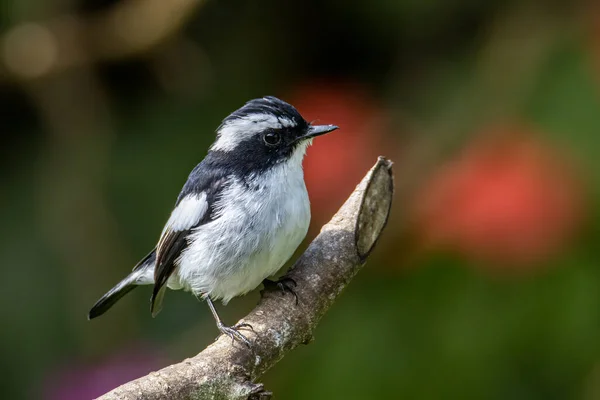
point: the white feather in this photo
(288, 123)
(235, 131)
(188, 212)
(256, 231)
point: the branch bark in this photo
(227, 371)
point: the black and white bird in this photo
(239, 217)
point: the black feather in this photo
(110, 298)
(210, 177)
(268, 105)
(251, 156)
(123, 287)
(202, 179)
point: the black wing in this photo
(205, 185)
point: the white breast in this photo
(259, 226)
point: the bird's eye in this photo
(272, 138)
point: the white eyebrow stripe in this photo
(286, 122)
(238, 130)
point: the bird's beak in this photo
(318, 130)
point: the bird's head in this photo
(263, 133)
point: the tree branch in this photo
(226, 371)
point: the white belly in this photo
(256, 232)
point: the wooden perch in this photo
(227, 371)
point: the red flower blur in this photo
(338, 161)
(507, 200)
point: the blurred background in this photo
(485, 284)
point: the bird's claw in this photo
(233, 332)
(284, 284)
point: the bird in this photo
(239, 217)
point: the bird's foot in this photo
(233, 332)
(284, 284)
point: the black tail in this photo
(141, 275)
(110, 298)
